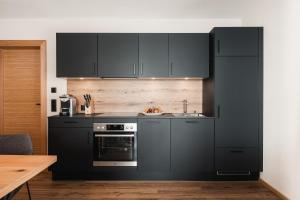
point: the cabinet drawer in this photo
(236, 159)
(70, 122)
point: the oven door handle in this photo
(114, 135)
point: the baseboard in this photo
(276, 192)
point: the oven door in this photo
(115, 149)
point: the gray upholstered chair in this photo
(18, 144)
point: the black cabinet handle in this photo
(95, 70)
(88, 135)
(218, 46)
(153, 122)
(237, 151)
(191, 121)
(238, 173)
(70, 122)
(37, 104)
(218, 111)
(171, 68)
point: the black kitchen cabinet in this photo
(189, 54)
(192, 147)
(236, 101)
(76, 55)
(236, 41)
(236, 160)
(234, 95)
(118, 54)
(72, 141)
(153, 145)
(153, 54)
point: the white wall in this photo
(280, 19)
(45, 29)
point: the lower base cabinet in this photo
(73, 147)
(192, 147)
(167, 149)
(153, 145)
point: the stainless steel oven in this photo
(115, 144)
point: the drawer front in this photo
(70, 122)
(236, 159)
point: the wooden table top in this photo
(16, 170)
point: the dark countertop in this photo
(132, 115)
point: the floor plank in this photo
(42, 187)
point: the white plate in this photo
(152, 114)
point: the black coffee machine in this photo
(67, 105)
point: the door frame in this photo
(41, 45)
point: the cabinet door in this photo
(153, 145)
(236, 101)
(189, 54)
(73, 147)
(118, 54)
(238, 41)
(192, 146)
(154, 54)
(76, 55)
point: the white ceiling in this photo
(150, 9)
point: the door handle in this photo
(37, 104)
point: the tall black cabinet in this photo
(235, 88)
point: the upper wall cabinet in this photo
(76, 55)
(153, 54)
(189, 54)
(237, 41)
(118, 54)
(129, 55)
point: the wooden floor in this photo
(43, 188)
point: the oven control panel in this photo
(117, 127)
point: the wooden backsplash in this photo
(134, 95)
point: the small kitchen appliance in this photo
(67, 105)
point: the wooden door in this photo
(21, 94)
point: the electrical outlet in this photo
(82, 107)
